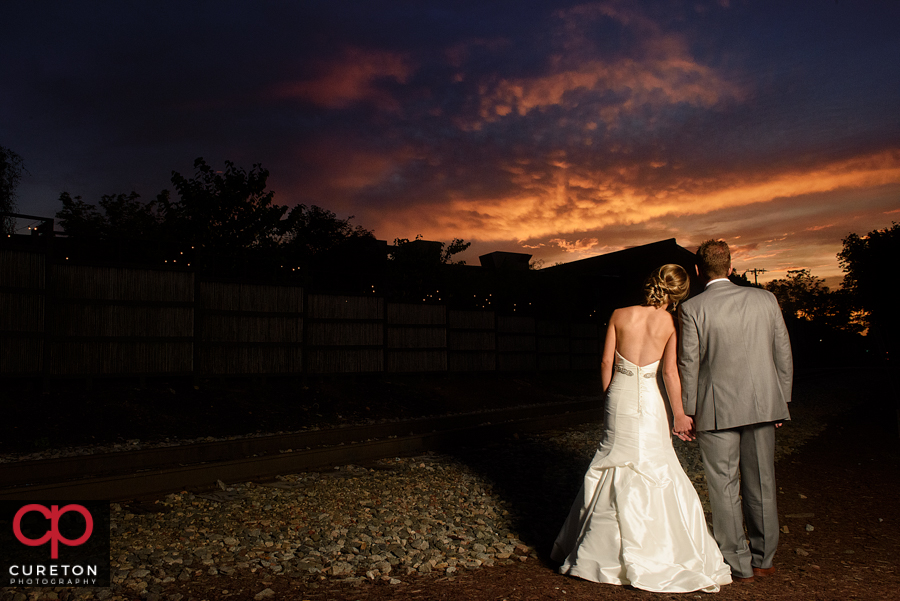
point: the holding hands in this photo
(684, 427)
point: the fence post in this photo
(196, 350)
(48, 311)
(304, 336)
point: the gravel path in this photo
(398, 518)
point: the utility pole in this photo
(755, 273)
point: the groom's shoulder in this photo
(694, 303)
(723, 290)
(754, 291)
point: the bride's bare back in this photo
(644, 334)
(641, 332)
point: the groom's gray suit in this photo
(736, 371)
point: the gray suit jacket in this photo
(734, 356)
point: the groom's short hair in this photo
(714, 258)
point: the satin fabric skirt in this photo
(637, 519)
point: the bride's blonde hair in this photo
(668, 285)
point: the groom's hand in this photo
(684, 428)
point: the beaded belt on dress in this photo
(628, 372)
(647, 375)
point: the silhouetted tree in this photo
(328, 253)
(425, 253)
(11, 170)
(869, 264)
(123, 217)
(804, 296)
(311, 231)
(230, 221)
(456, 246)
(414, 267)
(229, 216)
(80, 219)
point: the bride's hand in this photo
(684, 428)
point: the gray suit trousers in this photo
(740, 474)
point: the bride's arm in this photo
(683, 424)
(609, 354)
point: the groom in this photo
(736, 370)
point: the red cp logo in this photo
(53, 534)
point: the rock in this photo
(341, 568)
(801, 552)
(809, 528)
(266, 593)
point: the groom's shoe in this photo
(763, 572)
(739, 580)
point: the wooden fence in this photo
(22, 310)
(61, 320)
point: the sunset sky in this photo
(560, 129)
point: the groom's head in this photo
(714, 259)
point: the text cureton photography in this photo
(54, 543)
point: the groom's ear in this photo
(730, 271)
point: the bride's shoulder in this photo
(625, 312)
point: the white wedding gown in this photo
(637, 519)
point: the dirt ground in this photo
(81, 412)
(838, 507)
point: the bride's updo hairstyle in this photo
(668, 285)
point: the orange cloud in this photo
(575, 200)
(576, 246)
(654, 82)
(349, 79)
(661, 71)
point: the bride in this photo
(637, 519)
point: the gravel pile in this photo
(403, 516)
